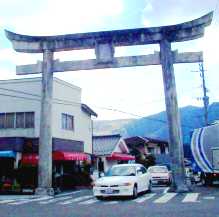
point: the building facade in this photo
(20, 120)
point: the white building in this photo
(20, 117)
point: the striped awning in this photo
(120, 156)
(60, 155)
(33, 159)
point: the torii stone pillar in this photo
(104, 44)
(173, 117)
(45, 140)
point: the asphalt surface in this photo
(202, 202)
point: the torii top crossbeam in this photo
(173, 33)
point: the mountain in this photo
(108, 127)
(155, 126)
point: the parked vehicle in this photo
(205, 153)
(123, 180)
(160, 175)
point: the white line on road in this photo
(144, 198)
(209, 198)
(190, 197)
(67, 194)
(6, 201)
(31, 200)
(76, 199)
(55, 200)
(165, 198)
(165, 190)
(91, 201)
(110, 202)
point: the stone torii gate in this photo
(104, 44)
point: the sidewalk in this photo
(12, 197)
(33, 196)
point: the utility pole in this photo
(205, 98)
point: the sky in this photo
(116, 93)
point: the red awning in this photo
(30, 159)
(60, 155)
(120, 156)
(56, 155)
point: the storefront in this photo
(68, 170)
(7, 174)
(110, 150)
(19, 163)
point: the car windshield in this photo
(158, 170)
(121, 171)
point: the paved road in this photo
(201, 202)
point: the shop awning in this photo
(120, 156)
(60, 155)
(30, 159)
(9, 154)
(56, 155)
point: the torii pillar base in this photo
(45, 191)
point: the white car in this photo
(160, 175)
(123, 180)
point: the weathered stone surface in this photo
(131, 61)
(174, 33)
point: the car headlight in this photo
(126, 184)
(96, 185)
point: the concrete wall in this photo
(15, 101)
(66, 99)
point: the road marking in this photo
(110, 202)
(144, 198)
(165, 190)
(55, 200)
(31, 200)
(91, 201)
(209, 198)
(76, 199)
(6, 201)
(190, 197)
(67, 194)
(165, 198)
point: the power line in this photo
(72, 103)
(104, 108)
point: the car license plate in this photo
(109, 191)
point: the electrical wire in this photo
(72, 103)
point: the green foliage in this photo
(147, 160)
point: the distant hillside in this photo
(110, 126)
(155, 126)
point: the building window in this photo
(17, 120)
(151, 150)
(29, 119)
(20, 120)
(67, 122)
(10, 120)
(2, 120)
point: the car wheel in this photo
(135, 192)
(169, 182)
(149, 187)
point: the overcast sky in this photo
(137, 91)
